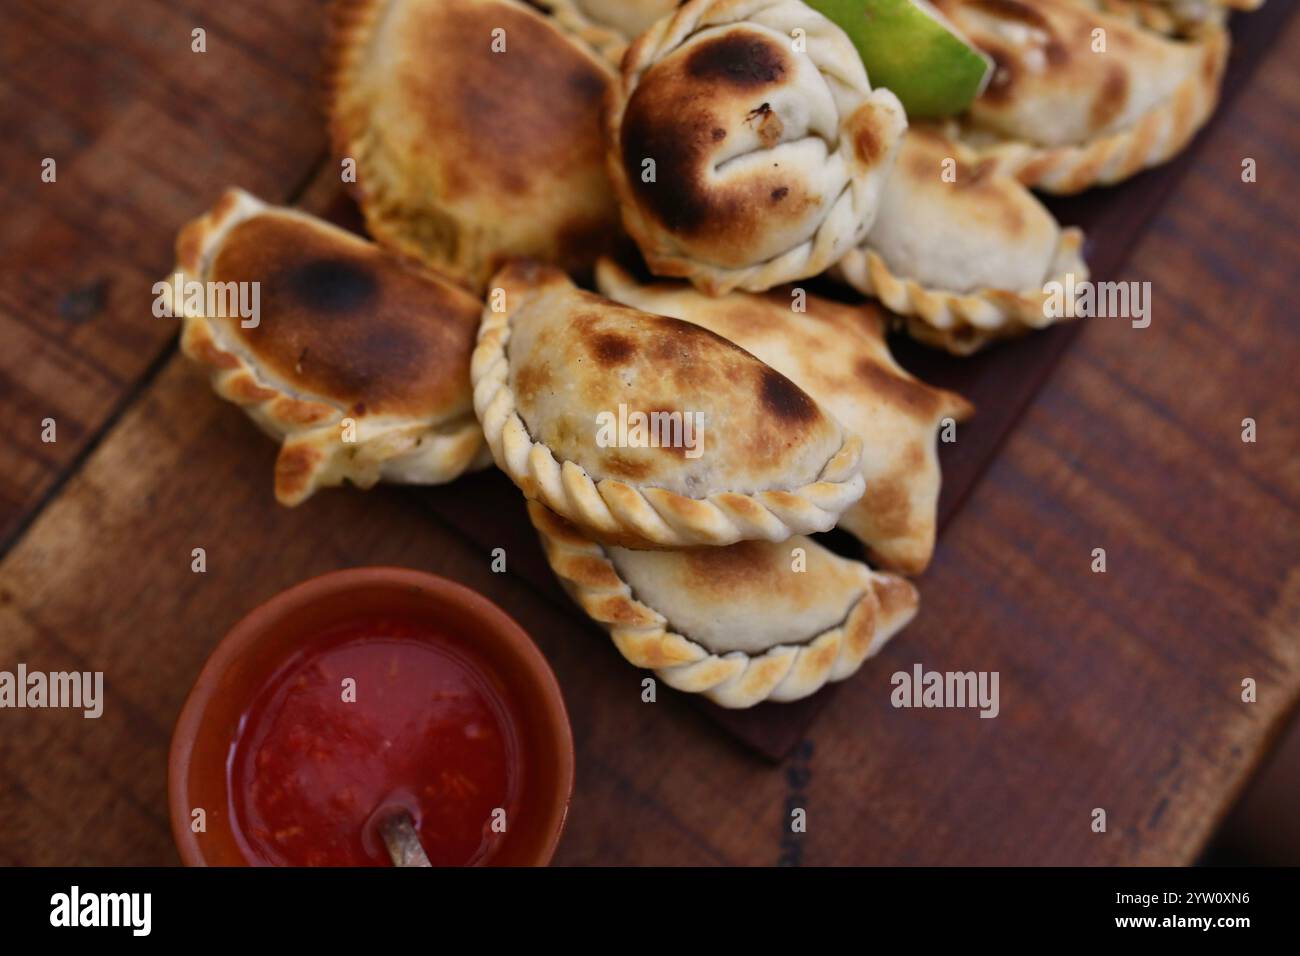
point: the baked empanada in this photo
(961, 250)
(1063, 114)
(745, 144)
(1185, 18)
(838, 355)
(608, 25)
(754, 621)
(648, 431)
(476, 130)
(356, 360)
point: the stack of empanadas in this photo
(693, 554)
(946, 234)
(679, 441)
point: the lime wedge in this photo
(909, 47)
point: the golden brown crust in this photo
(964, 252)
(473, 155)
(838, 355)
(739, 159)
(1183, 18)
(557, 365)
(357, 361)
(1062, 116)
(350, 323)
(817, 625)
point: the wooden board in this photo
(144, 133)
(1119, 690)
(1001, 381)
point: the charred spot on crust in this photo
(545, 91)
(1003, 83)
(780, 193)
(622, 466)
(769, 126)
(530, 381)
(675, 194)
(783, 398)
(342, 320)
(739, 58)
(867, 145)
(610, 348)
(1110, 99)
(906, 393)
(679, 137)
(672, 119)
(677, 337)
(330, 286)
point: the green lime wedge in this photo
(907, 46)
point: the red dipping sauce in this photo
(316, 763)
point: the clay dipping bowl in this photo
(247, 658)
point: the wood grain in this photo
(145, 133)
(1119, 691)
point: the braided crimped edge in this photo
(607, 41)
(1177, 17)
(619, 513)
(963, 323)
(312, 454)
(1156, 138)
(782, 673)
(850, 215)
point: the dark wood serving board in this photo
(1001, 381)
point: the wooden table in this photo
(1119, 690)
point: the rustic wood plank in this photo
(1000, 381)
(145, 133)
(1119, 690)
(103, 582)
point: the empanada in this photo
(1177, 17)
(1063, 114)
(742, 624)
(648, 431)
(962, 251)
(746, 145)
(475, 126)
(608, 25)
(356, 360)
(837, 354)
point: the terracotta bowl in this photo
(248, 656)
